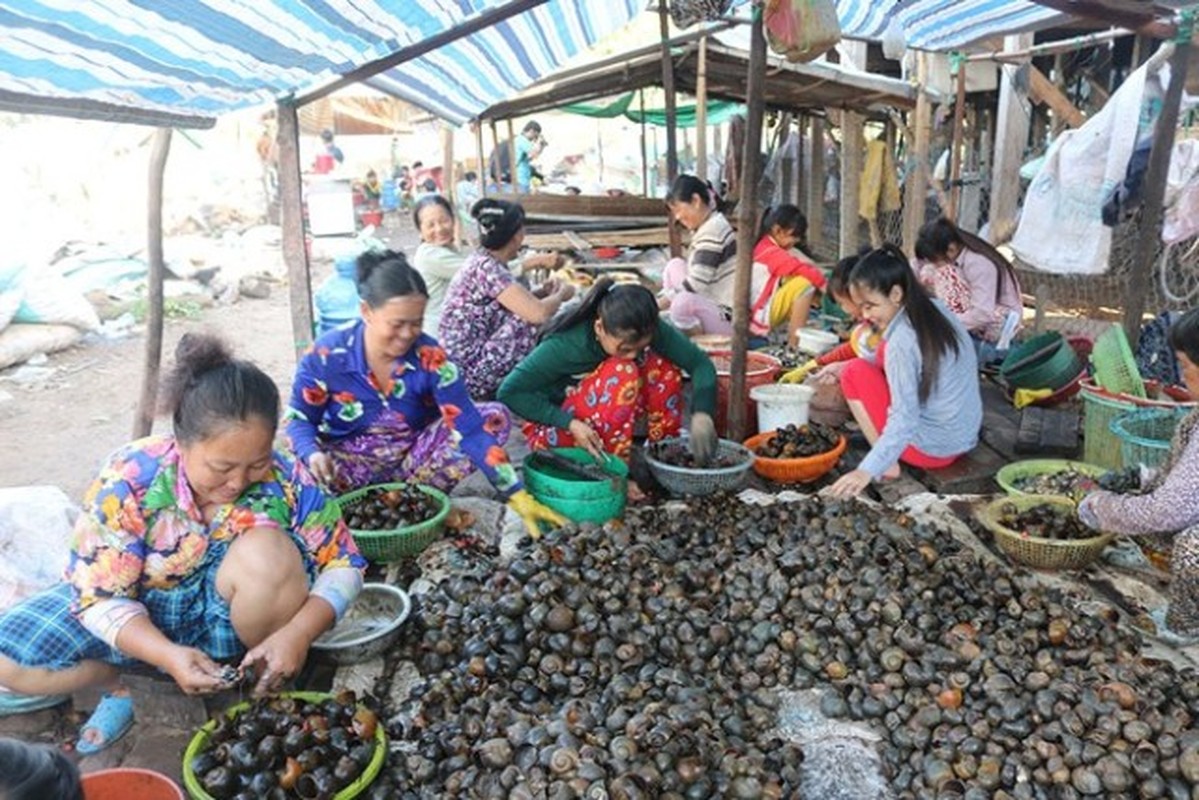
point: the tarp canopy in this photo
(718, 111)
(183, 64)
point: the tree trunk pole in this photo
(701, 111)
(955, 149)
(295, 251)
(144, 420)
(672, 151)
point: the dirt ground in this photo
(58, 431)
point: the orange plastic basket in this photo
(793, 470)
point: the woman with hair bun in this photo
(489, 322)
(37, 772)
(379, 401)
(195, 549)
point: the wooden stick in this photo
(512, 157)
(672, 152)
(955, 149)
(295, 250)
(143, 421)
(481, 175)
(701, 111)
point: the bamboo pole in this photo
(815, 183)
(143, 421)
(1026, 51)
(481, 174)
(447, 162)
(955, 149)
(512, 157)
(498, 174)
(701, 111)
(672, 152)
(747, 210)
(916, 184)
(644, 154)
(295, 250)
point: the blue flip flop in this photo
(1165, 634)
(112, 718)
(12, 703)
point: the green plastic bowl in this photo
(1046, 361)
(574, 497)
(1007, 476)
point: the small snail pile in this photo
(1066, 482)
(285, 747)
(1121, 481)
(678, 454)
(1045, 522)
(799, 441)
(388, 509)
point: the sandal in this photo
(13, 703)
(112, 719)
(1165, 634)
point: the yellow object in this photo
(800, 373)
(879, 187)
(790, 290)
(534, 513)
(1024, 397)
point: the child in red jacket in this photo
(784, 283)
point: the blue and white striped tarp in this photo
(944, 24)
(184, 63)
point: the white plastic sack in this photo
(1181, 219)
(20, 342)
(51, 300)
(10, 301)
(35, 540)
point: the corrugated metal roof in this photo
(184, 63)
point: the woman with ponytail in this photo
(632, 363)
(198, 549)
(699, 290)
(919, 401)
(784, 281)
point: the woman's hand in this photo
(276, 660)
(565, 291)
(542, 261)
(703, 437)
(830, 373)
(193, 670)
(321, 466)
(586, 438)
(851, 484)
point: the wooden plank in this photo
(1043, 91)
(639, 237)
(1048, 433)
(591, 205)
(973, 473)
(1011, 137)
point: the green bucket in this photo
(578, 499)
(1046, 361)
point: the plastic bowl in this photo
(1010, 473)
(574, 497)
(793, 470)
(817, 342)
(128, 783)
(368, 629)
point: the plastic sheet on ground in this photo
(35, 537)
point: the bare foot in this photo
(634, 493)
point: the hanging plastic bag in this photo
(801, 30)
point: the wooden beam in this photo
(1140, 273)
(1044, 91)
(955, 148)
(701, 111)
(672, 152)
(1135, 17)
(1026, 51)
(747, 212)
(483, 21)
(852, 148)
(916, 184)
(814, 202)
(291, 208)
(143, 420)
(497, 174)
(644, 146)
(481, 175)
(516, 187)
(1011, 138)
(447, 162)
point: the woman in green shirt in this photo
(632, 365)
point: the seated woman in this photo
(920, 402)
(632, 363)
(438, 260)
(489, 321)
(194, 549)
(1168, 508)
(784, 283)
(975, 282)
(699, 290)
(378, 401)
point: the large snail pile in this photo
(1045, 522)
(644, 660)
(389, 509)
(287, 748)
(800, 441)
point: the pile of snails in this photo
(389, 509)
(1047, 521)
(644, 659)
(800, 441)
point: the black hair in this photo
(36, 772)
(1184, 335)
(887, 267)
(384, 274)
(531, 125)
(789, 218)
(429, 185)
(208, 390)
(326, 135)
(627, 310)
(934, 239)
(686, 187)
(838, 279)
(430, 200)
(470, 176)
(499, 221)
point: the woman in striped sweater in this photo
(700, 288)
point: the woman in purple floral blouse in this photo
(489, 322)
(192, 549)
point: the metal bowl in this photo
(370, 626)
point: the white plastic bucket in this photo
(817, 342)
(782, 404)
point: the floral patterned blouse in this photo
(142, 528)
(477, 331)
(335, 396)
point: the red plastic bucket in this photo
(127, 783)
(760, 369)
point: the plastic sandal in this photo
(1158, 615)
(112, 718)
(12, 703)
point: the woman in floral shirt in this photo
(489, 322)
(378, 401)
(191, 549)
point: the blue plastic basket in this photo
(1145, 435)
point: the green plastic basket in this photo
(574, 497)
(1009, 474)
(200, 741)
(1046, 361)
(1145, 434)
(392, 545)
(1099, 445)
(1115, 368)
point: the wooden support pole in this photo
(955, 148)
(512, 157)
(1140, 274)
(295, 250)
(143, 421)
(1044, 91)
(1011, 138)
(747, 212)
(497, 174)
(915, 199)
(481, 174)
(701, 111)
(447, 162)
(815, 186)
(852, 149)
(787, 162)
(672, 151)
(801, 163)
(644, 145)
